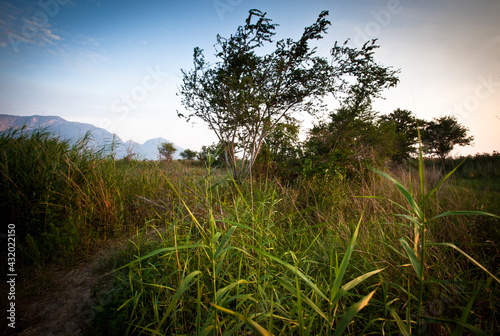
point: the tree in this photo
(283, 140)
(350, 136)
(442, 134)
(406, 128)
(130, 152)
(166, 150)
(245, 95)
(211, 154)
(188, 154)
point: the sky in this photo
(117, 64)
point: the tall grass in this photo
(58, 195)
(314, 259)
(213, 257)
(66, 198)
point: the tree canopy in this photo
(166, 150)
(406, 127)
(188, 154)
(244, 95)
(442, 134)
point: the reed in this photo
(391, 252)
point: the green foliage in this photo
(45, 182)
(312, 259)
(166, 150)
(216, 257)
(347, 142)
(212, 155)
(188, 154)
(282, 143)
(406, 128)
(442, 134)
(245, 95)
(416, 215)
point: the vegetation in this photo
(188, 154)
(245, 95)
(217, 257)
(442, 134)
(352, 231)
(405, 127)
(166, 150)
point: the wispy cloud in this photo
(28, 26)
(24, 24)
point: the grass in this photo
(387, 254)
(267, 259)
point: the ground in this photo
(58, 302)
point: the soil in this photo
(58, 302)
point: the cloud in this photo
(26, 24)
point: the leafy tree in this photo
(406, 128)
(442, 134)
(211, 154)
(349, 137)
(188, 154)
(361, 78)
(245, 95)
(283, 140)
(166, 150)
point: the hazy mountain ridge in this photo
(74, 131)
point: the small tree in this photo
(130, 152)
(166, 150)
(442, 134)
(211, 154)
(245, 95)
(282, 142)
(352, 135)
(188, 154)
(406, 128)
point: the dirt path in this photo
(61, 305)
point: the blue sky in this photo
(116, 64)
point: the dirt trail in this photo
(61, 305)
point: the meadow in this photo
(402, 250)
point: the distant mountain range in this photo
(73, 131)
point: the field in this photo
(384, 253)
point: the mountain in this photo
(73, 131)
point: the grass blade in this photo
(406, 194)
(467, 256)
(221, 292)
(465, 213)
(185, 284)
(294, 269)
(224, 241)
(401, 325)
(345, 262)
(472, 328)
(351, 313)
(436, 187)
(246, 319)
(162, 250)
(417, 266)
(353, 283)
(311, 304)
(459, 330)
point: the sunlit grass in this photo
(385, 254)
